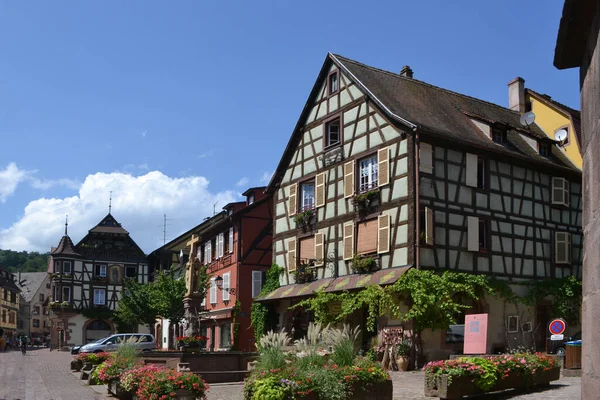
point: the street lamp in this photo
(219, 283)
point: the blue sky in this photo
(176, 106)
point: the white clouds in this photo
(139, 203)
(45, 184)
(206, 154)
(242, 182)
(266, 177)
(10, 177)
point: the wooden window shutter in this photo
(473, 233)
(366, 236)
(293, 200)
(348, 240)
(319, 249)
(383, 234)
(429, 226)
(291, 255)
(307, 249)
(471, 170)
(349, 179)
(425, 158)
(320, 190)
(383, 161)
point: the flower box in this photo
(457, 387)
(115, 388)
(76, 365)
(180, 394)
(193, 349)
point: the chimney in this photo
(406, 72)
(516, 94)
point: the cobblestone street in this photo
(45, 375)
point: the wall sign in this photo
(475, 334)
(557, 326)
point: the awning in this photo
(386, 276)
(224, 313)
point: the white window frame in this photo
(213, 291)
(564, 241)
(62, 290)
(230, 240)
(103, 267)
(368, 173)
(221, 347)
(99, 294)
(250, 198)
(225, 296)
(308, 202)
(328, 124)
(220, 245)
(64, 264)
(563, 187)
(256, 283)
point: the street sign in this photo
(557, 337)
(557, 326)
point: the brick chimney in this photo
(516, 94)
(406, 72)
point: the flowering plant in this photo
(113, 368)
(132, 377)
(94, 358)
(192, 340)
(164, 384)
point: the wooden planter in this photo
(378, 391)
(464, 385)
(76, 365)
(181, 394)
(115, 388)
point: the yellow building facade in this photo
(9, 303)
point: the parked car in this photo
(75, 349)
(142, 341)
(558, 347)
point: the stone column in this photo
(192, 304)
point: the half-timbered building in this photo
(235, 246)
(384, 172)
(87, 279)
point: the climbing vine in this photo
(261, 314)
(236, 325)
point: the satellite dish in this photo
(561, 136)
(527, 119)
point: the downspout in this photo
(417, 212)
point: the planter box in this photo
(181, 394)
(115, 388)
(464, 385)
(76, 365)
(378, 391)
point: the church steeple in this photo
(66, 246)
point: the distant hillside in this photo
(15, 261)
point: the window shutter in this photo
(213, 292)
(293, 200)
(256, 283)
(425, 158)
(429, 226)
(383, 234)
(349, 179)
(226, 286)
(348, 240)
(291, 255)
(473, 233)
(320, 190)
(319, 249)
(383, 160)
(471, 170)
(230, 240)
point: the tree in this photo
(137, 305)
(167, 294)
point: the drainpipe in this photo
(417, 212)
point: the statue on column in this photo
(190, 267)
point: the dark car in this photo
(558, 347)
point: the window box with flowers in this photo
(305, 220)
(305, 272)
(364, 264)
(367, 202)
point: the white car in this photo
(142, 341)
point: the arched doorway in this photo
(96, 329)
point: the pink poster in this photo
(476, 334)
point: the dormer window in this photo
(544, 149)
(332, 132)
(499, 136)
(333, 83)
(250, 198)
(230, 211)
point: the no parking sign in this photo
(557, 328)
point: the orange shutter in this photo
(293, 202)
(320, 190)
(348, 240)
(366, 241)
(349, 179)
(320, 249)
(383, 160)
(291, 258)
(383, 230)
(307, 249)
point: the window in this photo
(560, 191)
(333, 83)
(425, 158)
(213, 248)
(498, 136)
(512, 323)
(207, 252)
(544, 149)
(483, 235)
(66, 294)
(307, 250)
(368, 173)
(426, 226)
(48, 286)
(562, 247)
(12, 317)
(230, 240)
(220, 244)
(307, 191)
(100, 270)
(481, 173)
(225, 339)
(67, 267)
(256, 283)
(36, 310)
(99, 297)
(455, 334)
(213, 292)
(366, 242)
(41, 297)
(226, 286)
(45, 324)
(57, 267)
(250, 198)
(13, 297)
(130, 271)
(56, 293)
(36, 323)
(332, 133)
(3, 315)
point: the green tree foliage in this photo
(262, 316)
(23, 261)
(137, 305)
(168, 292)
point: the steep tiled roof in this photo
(30, 283)
(574, 114)
(109, 225)
(445, 113)
(65, 248)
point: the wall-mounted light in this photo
(219, 283)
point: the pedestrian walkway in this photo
(41, 374)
